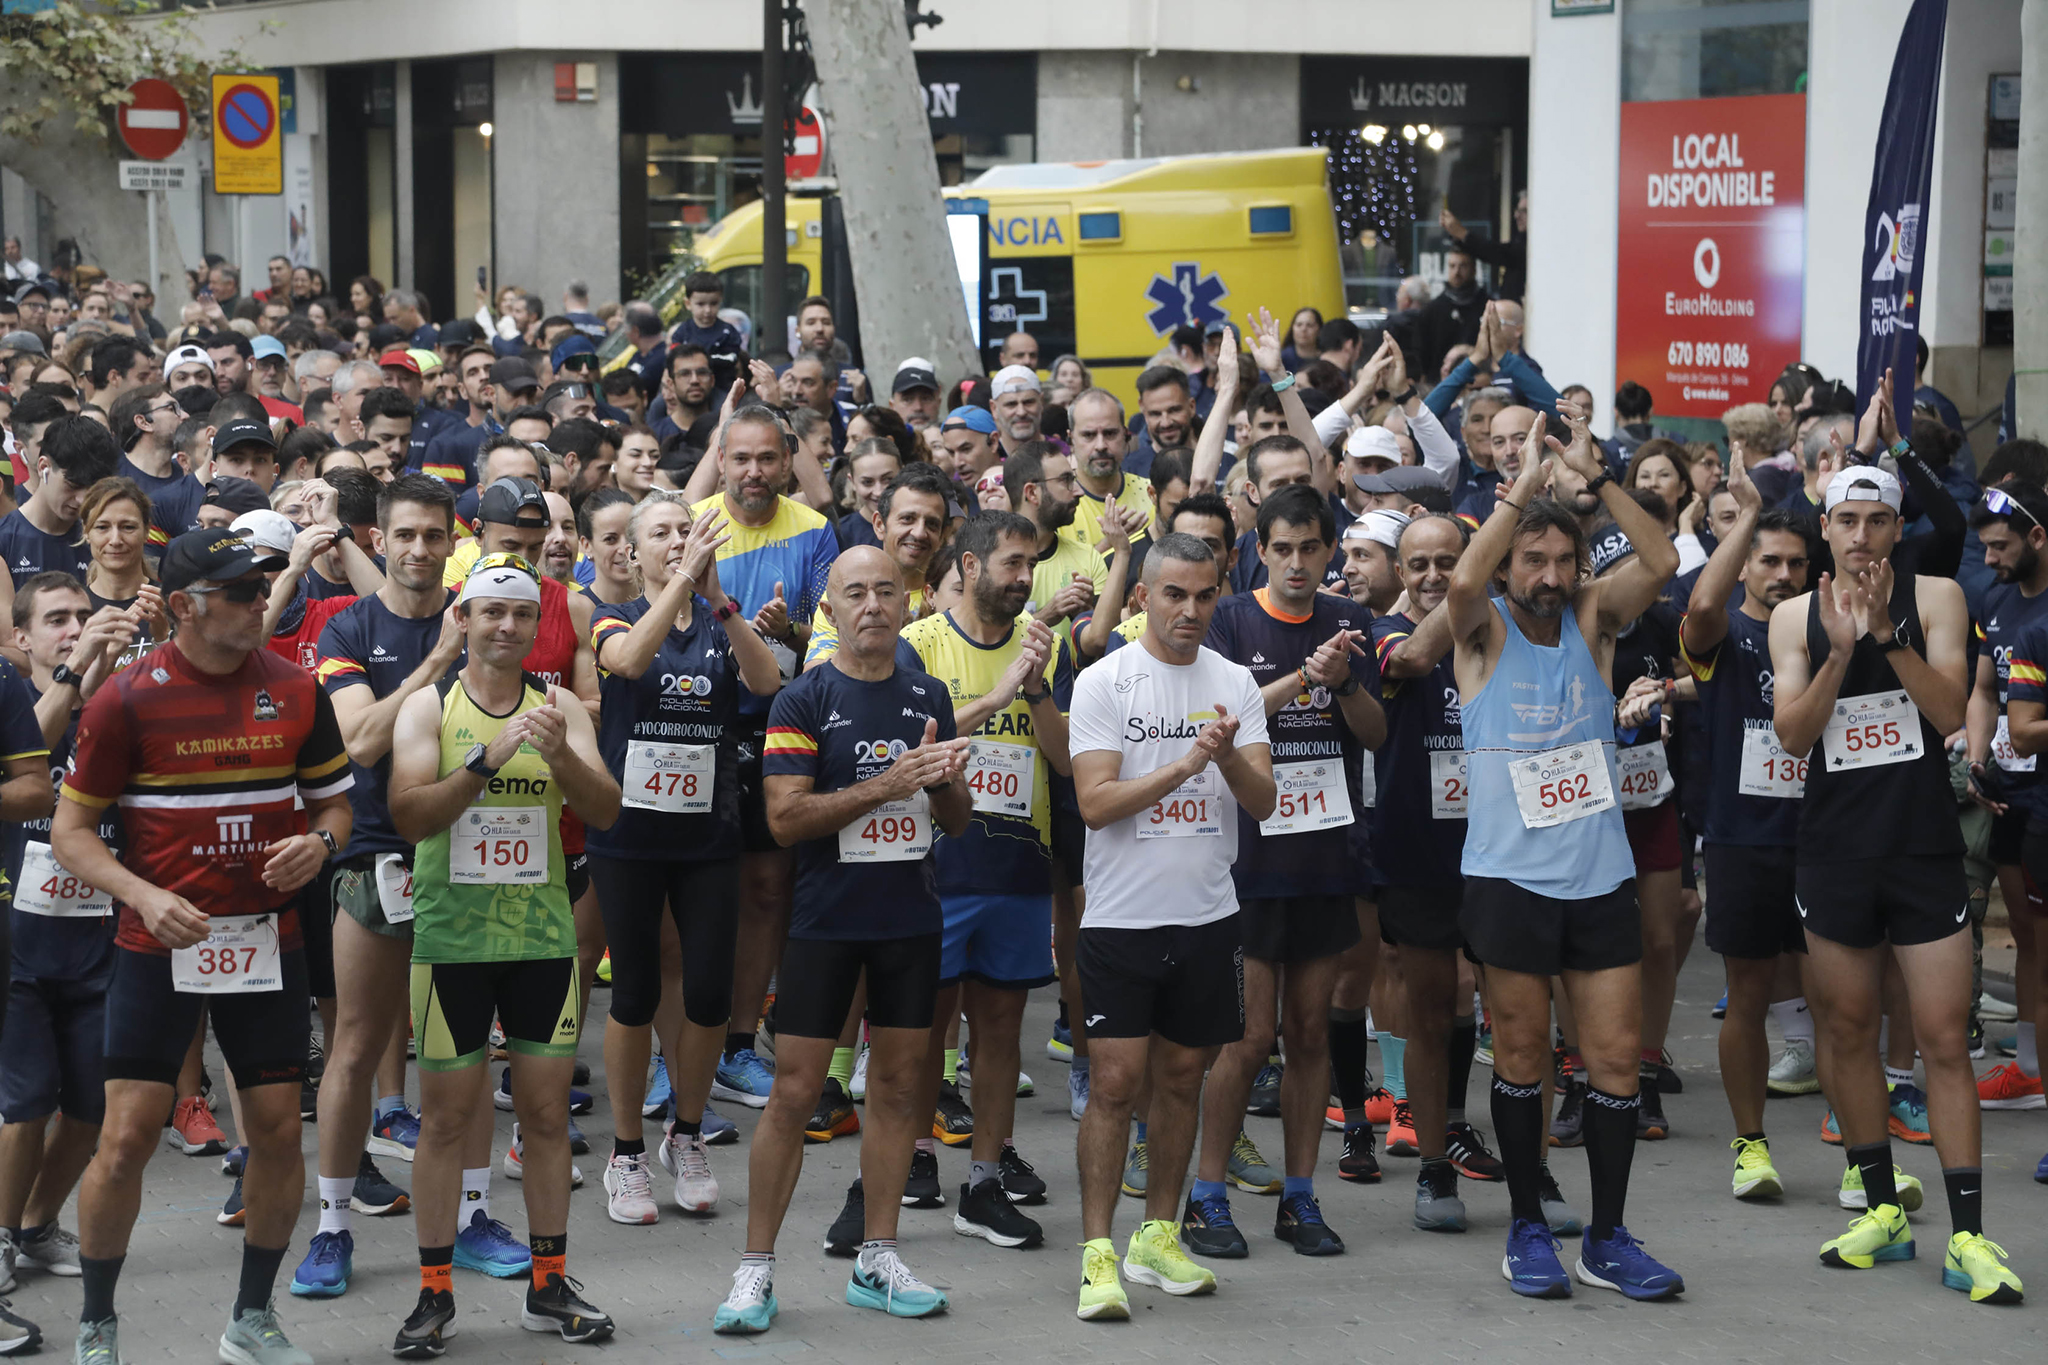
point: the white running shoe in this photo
(629, 1190)
(689, 1161)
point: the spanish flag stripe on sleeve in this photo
(2027, 671)
(344, 669)
(606, 626)
(784, 740)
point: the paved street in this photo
(1756, 1291)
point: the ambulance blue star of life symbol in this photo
(1188, 297)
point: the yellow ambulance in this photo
(1105, 259)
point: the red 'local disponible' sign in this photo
(1712, 249)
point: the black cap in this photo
(385, 335)
(914, 377)
(513, 375)
(32, 287)
(1402, 478)
(236, 495)
(215, 555)
(461, 332)
(502, 503)
(244, 431)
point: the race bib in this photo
(1767, 770)
(1368, 785)
(499, 846)
(1194, 807)
(1871, 731)
(1645, 774)
(1312, 796)
(1449, 784)
(894, 832)
(1002, 777)
(1561, 786)
(2002, 751)
(238, 956)
(669, 777)
(394, 888)
(47, 889)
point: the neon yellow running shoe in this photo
(1755, 1176)
(1879, 1235)
(604, 969)
(1154, 1257)
(1101, 1295)
(1911, 1193)
(1977, 1264)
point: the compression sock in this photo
(1965, 1197)
(841, 1069)
(1464, 1038)
(1349, 1050)
(1610, 1151)
(1518, 1126)
(259, 1276)
(437, 1269)
(1393, 1052)
(1874, 1160)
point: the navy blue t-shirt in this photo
(28, 550)
(366, 644)
(689, 695)
(1306, 734)
(1416, 839)
(1735, 683)
(841, 731)
(1250, 571)
(2008, 611)
(173, 501)
(856, 529)
(48, 947)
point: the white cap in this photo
(1863, 483)
(1373, 443)
(186, 355)
(915, 362)
(267, 530)
(1381, 524)
(501, 580)
(1013, 379)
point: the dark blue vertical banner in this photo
(1895, 220)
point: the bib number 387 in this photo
(238, 956)
(893, 832)
(1561, 786)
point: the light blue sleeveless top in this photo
(1541, 698)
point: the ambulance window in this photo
(1272, 220)
(1102, 227)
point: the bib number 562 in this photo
(1565, 791)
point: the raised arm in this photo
(1706, 615)
(1209, 445)
(1467, 601)
(1802, 696)
(1264, 335)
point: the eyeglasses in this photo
(160, 409)
(505, 559)
(2001, 504)
(241, 592)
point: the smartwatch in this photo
(62, 676)
(1033, 698)
(475, 762)
(726, 612)
(333, 849)
(1283, 384)
(1599, 481)
(1346, 688)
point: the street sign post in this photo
(153, 124)
(248, 145)
(152, 175)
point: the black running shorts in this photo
(1182, 982)
(814, 988)
(1513, 928)
(263, 1035)
(1901, 901)
(1286, 929)
(1422, 916)
(1752, 903)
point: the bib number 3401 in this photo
(1561, 786)
(1193, 808)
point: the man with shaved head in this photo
(861, 761)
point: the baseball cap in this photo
(244, 431)
(915, 373)
(1402, 478)
(400, 359)
(266, 530)
(23, 341)
(513, 375)
(32, 287)
(428, 361)
(502, 503)
(1863, 483)
(214, 556)
(266, 348)
(1012, 379)
(1373, 443)
(187, 355)
(461, 332)
(1383, 526)
(574, 344)
(502, 575)
(1215, 329)
(236, 495)
(973, 418)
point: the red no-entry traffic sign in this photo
(155, 122)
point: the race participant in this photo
(374, 655)
(1295, 878)
(1072, 590)
(481, 765)
(1168, 739)
(1753, 799)
(1880, 861)
(1372, 564)
(674, 661)
(1274, 463)
(774, 565)
(862, 760)
(909, 526)
(871, 466)
(994, 880)
(1549, 887)
(558, 552)
(2009, 524)
(505, 456)
(42, 535)
(215, 854)
(1098, 436)
(607, 548)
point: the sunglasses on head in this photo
(505, 559)
(241, 592)
(2000, 503)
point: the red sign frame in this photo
(156, 97)
(1712, 249)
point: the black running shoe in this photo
(375, 1195)
(1020, 1182)
(1300, 1222)
(425, 1334)
(834, 1116)
(1265, 1097)
(1669, 1082)
(1359, 1163)
(986, 1212)
(953, 1121)
(850, 1228)
(1651, 1125)
(560, 1308)
(1467, 1151)
(1568, 1127)
(921, 1190)
(309, 1098)
(1207, 1229)
(580, 1073)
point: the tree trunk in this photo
(881, 149)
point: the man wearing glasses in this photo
(32, 303)
(145, 420)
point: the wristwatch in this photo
(475, 762)
(1404, 395)
(1346, 688)
(726, 612)
(333, 849)
(62, 676)
(1599, 481)
(1033, 698)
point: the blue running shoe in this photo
(1721, 1006)
(2041, 1172)
(1060, 1047)
(1530, 1266)
(1621, 1264)
(659, 1095)
(395, 1134)
(718, 1130)
(231, 1164)
(578, 1144)
(488, 1245)
(579, 1100)
(1908, 1121)
(1077, 1092)
(745, 1077)
(325, 1271)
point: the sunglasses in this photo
(574, 391)
(579, 361)
(241, 592)
(505, 559)
(2001, 504)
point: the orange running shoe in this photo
(193, 1131)
(1401, 1132)
(2008, 1087)
(1379, 1107)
